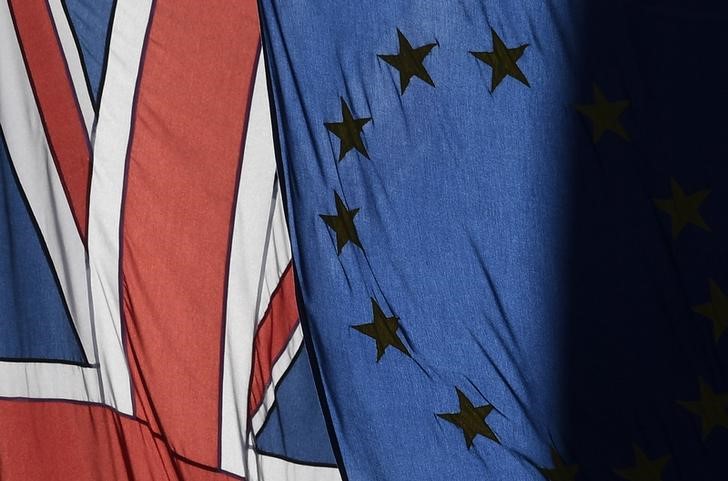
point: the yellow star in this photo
(716, 310)
(383, 330)
(712, 408)
(503, 61)
(604, 115)
(343, 224)
(471, 419)
(349, 131)
(683, 208)
(561, 471)
(410, 62)
(645, 469)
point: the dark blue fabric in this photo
(90, 20)
(295, 428)
(529, 266)
(34, 323)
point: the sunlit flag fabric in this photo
(148, 320)
(507, 240)
(508, 223)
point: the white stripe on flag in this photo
(279, 369)
(73, 60)
(115, 113)
(264, 468)
(259, 255)
(49, 381)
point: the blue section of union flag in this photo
(34, 321)
(295, 428)
(90, 21)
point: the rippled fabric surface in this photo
(508, 226)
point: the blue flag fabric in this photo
(36, 322)
(91, 21)
(509, 233)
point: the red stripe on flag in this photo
(272, 337)
(64, 441)
(182, 171)
(57, 103)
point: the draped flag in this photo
(148, 319)
(327, 240)
(508, 223)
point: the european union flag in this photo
(509, 230)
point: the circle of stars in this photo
(605, 116)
